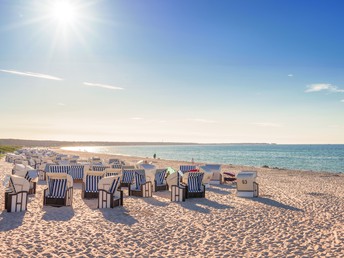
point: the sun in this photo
(64, 12)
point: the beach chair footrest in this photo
(161, 188)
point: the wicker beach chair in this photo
(90, 184)
(192, 181)
(109, 195)
(77, 172)
(29, 173)
(160, 183)
(59, 191)
(16, 193)
(127, 177)
(142, 186)
(215, 170)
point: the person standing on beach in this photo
(154, 155)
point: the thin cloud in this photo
(342, 100)
(323, 87)
(290, 75)
(136, 118)
(61, 104)
(267, 124)
(201, 120)
(105, 86)
(30, 74)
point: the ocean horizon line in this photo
(62, 143)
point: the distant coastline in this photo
(50, 143)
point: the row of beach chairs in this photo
(105, 185)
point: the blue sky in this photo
(190, 71)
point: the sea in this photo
(321, 158)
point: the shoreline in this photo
(226, 166)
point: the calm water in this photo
(328, 158)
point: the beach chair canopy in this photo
(18, 184)
(210, 168)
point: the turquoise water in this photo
(328, 158)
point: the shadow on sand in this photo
(200, 205)
(11, 220)
(274, 203)
(218, 190)
(118, 215)
(155, 202)
(57, 213)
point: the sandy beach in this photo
(298, 214)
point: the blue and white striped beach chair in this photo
(58, 169)
(193, 185)
(141, 187)
(187, 168)
(59, 191)
(90, 184)
(76, 172)
(127, 177)
(109, 195)
(160, 180)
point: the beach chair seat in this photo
(90, 184)
(141, 186)
(16, 193)
(192, 181)
(59, 191)
(109, 195)
(160, 183)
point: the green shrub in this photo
(6, 148)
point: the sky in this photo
(228, 71)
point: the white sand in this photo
(298, 214)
